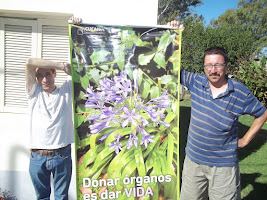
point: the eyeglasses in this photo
(218, 66)
(42, 75)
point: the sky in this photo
(212, 9)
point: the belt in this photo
(48, 152)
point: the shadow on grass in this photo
(257, 142)
(259, 190)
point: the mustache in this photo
(214, 74)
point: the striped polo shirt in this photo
(213, 131)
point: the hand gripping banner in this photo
(126, 111)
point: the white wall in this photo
(14, 157)
(13, 137)
(129, 12)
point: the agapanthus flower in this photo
(162, 101)
(97, 127)
(129, 117)
(116, 145)
(123, 87)
(155, 115)
(94, 100)
(133, 139)
(117, 105)
(144, 121)
(147, 138)
(105, 85)
(121, 77)
(108, 115)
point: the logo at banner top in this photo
(80, 31)
(89, 30)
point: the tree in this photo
(173, 9)
(196, 38)
(193, 40)
(252, 16)
(234, 38)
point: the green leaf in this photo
(102, 156)
(95, 75)
(141, 43)
(81, 109)
(85, 81)
(89, 157)
(84, 142)
(156, 192)
(160, 60)
(97, 164)
(144, 59)
(75, 76)
(172, 87)
(175, 63)
(156, 166)
(170, 151)
(145, 88)
(165, 79)
(175, 132)
(99, 171)
(79, 119)
(93, 141)
(128, 37)
(140, 161)
(140, 77)
(111, 137)
(129, 169)
(104, 67)
(129, 70)
(154, 92)
(119, 54)
(165, 40)
(99, 56)
(170, 116)
(120, 161)
(164, 165)
(126, 131)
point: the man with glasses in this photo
(211, 165)
(51, 126)
(211, 168)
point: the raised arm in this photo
(32, 64)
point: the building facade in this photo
(37, 28)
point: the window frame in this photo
(36, 50)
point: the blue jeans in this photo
(41, 167)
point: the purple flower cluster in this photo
(119, 106)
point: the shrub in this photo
(253, 74)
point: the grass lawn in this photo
(252, 159)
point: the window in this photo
(55, 44)
(20, 39)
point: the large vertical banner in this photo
(126, 111)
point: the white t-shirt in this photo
(51, 118)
